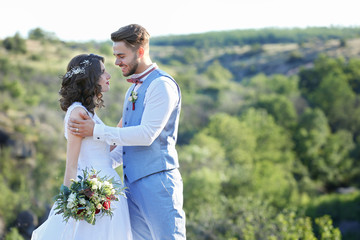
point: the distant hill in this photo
(248, 52)
(257, 36)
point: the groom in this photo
(150, 125)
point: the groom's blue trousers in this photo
(156, 206)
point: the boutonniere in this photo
(133, 97)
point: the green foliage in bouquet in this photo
(88, 197)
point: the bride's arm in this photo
(73, 151)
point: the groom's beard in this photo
(132, 67)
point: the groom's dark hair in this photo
(133, 35)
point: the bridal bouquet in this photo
(90, 196)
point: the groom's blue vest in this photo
(141, 161)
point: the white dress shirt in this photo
(160, 99)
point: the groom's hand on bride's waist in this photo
(81, 127)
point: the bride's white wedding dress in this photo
(95, 155)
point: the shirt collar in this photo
(148, 69)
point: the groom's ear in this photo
(141, 52)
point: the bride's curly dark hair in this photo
(82, 86)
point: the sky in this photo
(85, 20)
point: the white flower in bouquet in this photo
(94, 183)
(70, 205)
(72, 197)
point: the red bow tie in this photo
(137, 80)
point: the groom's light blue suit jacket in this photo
(141, 161)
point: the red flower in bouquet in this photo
(106, 205)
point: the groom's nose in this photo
(117, 62)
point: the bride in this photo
(81, 92)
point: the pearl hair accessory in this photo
(78, 69)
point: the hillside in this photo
(269, 136)
(248, 60)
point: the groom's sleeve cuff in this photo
(98, 133)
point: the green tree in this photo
(326, 155)
(239, 146)
(5, 66)
(272, 141)
(14, 186)
(273, 157)
(311, 136)
(40, 34)
(13, 235)
(105, 48)
(280, 108)
(310, 79)
(203, 151)
(15, 44)
(343, 42)
(279, 84)
(191, 55)
(255, 148)
(332, 85)
(352, 71)
(295, 56)
(15, 88)
(337, 167)
(202, 191)
(326, 229)
(230, 132)
(218, 75)
(336, 98)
